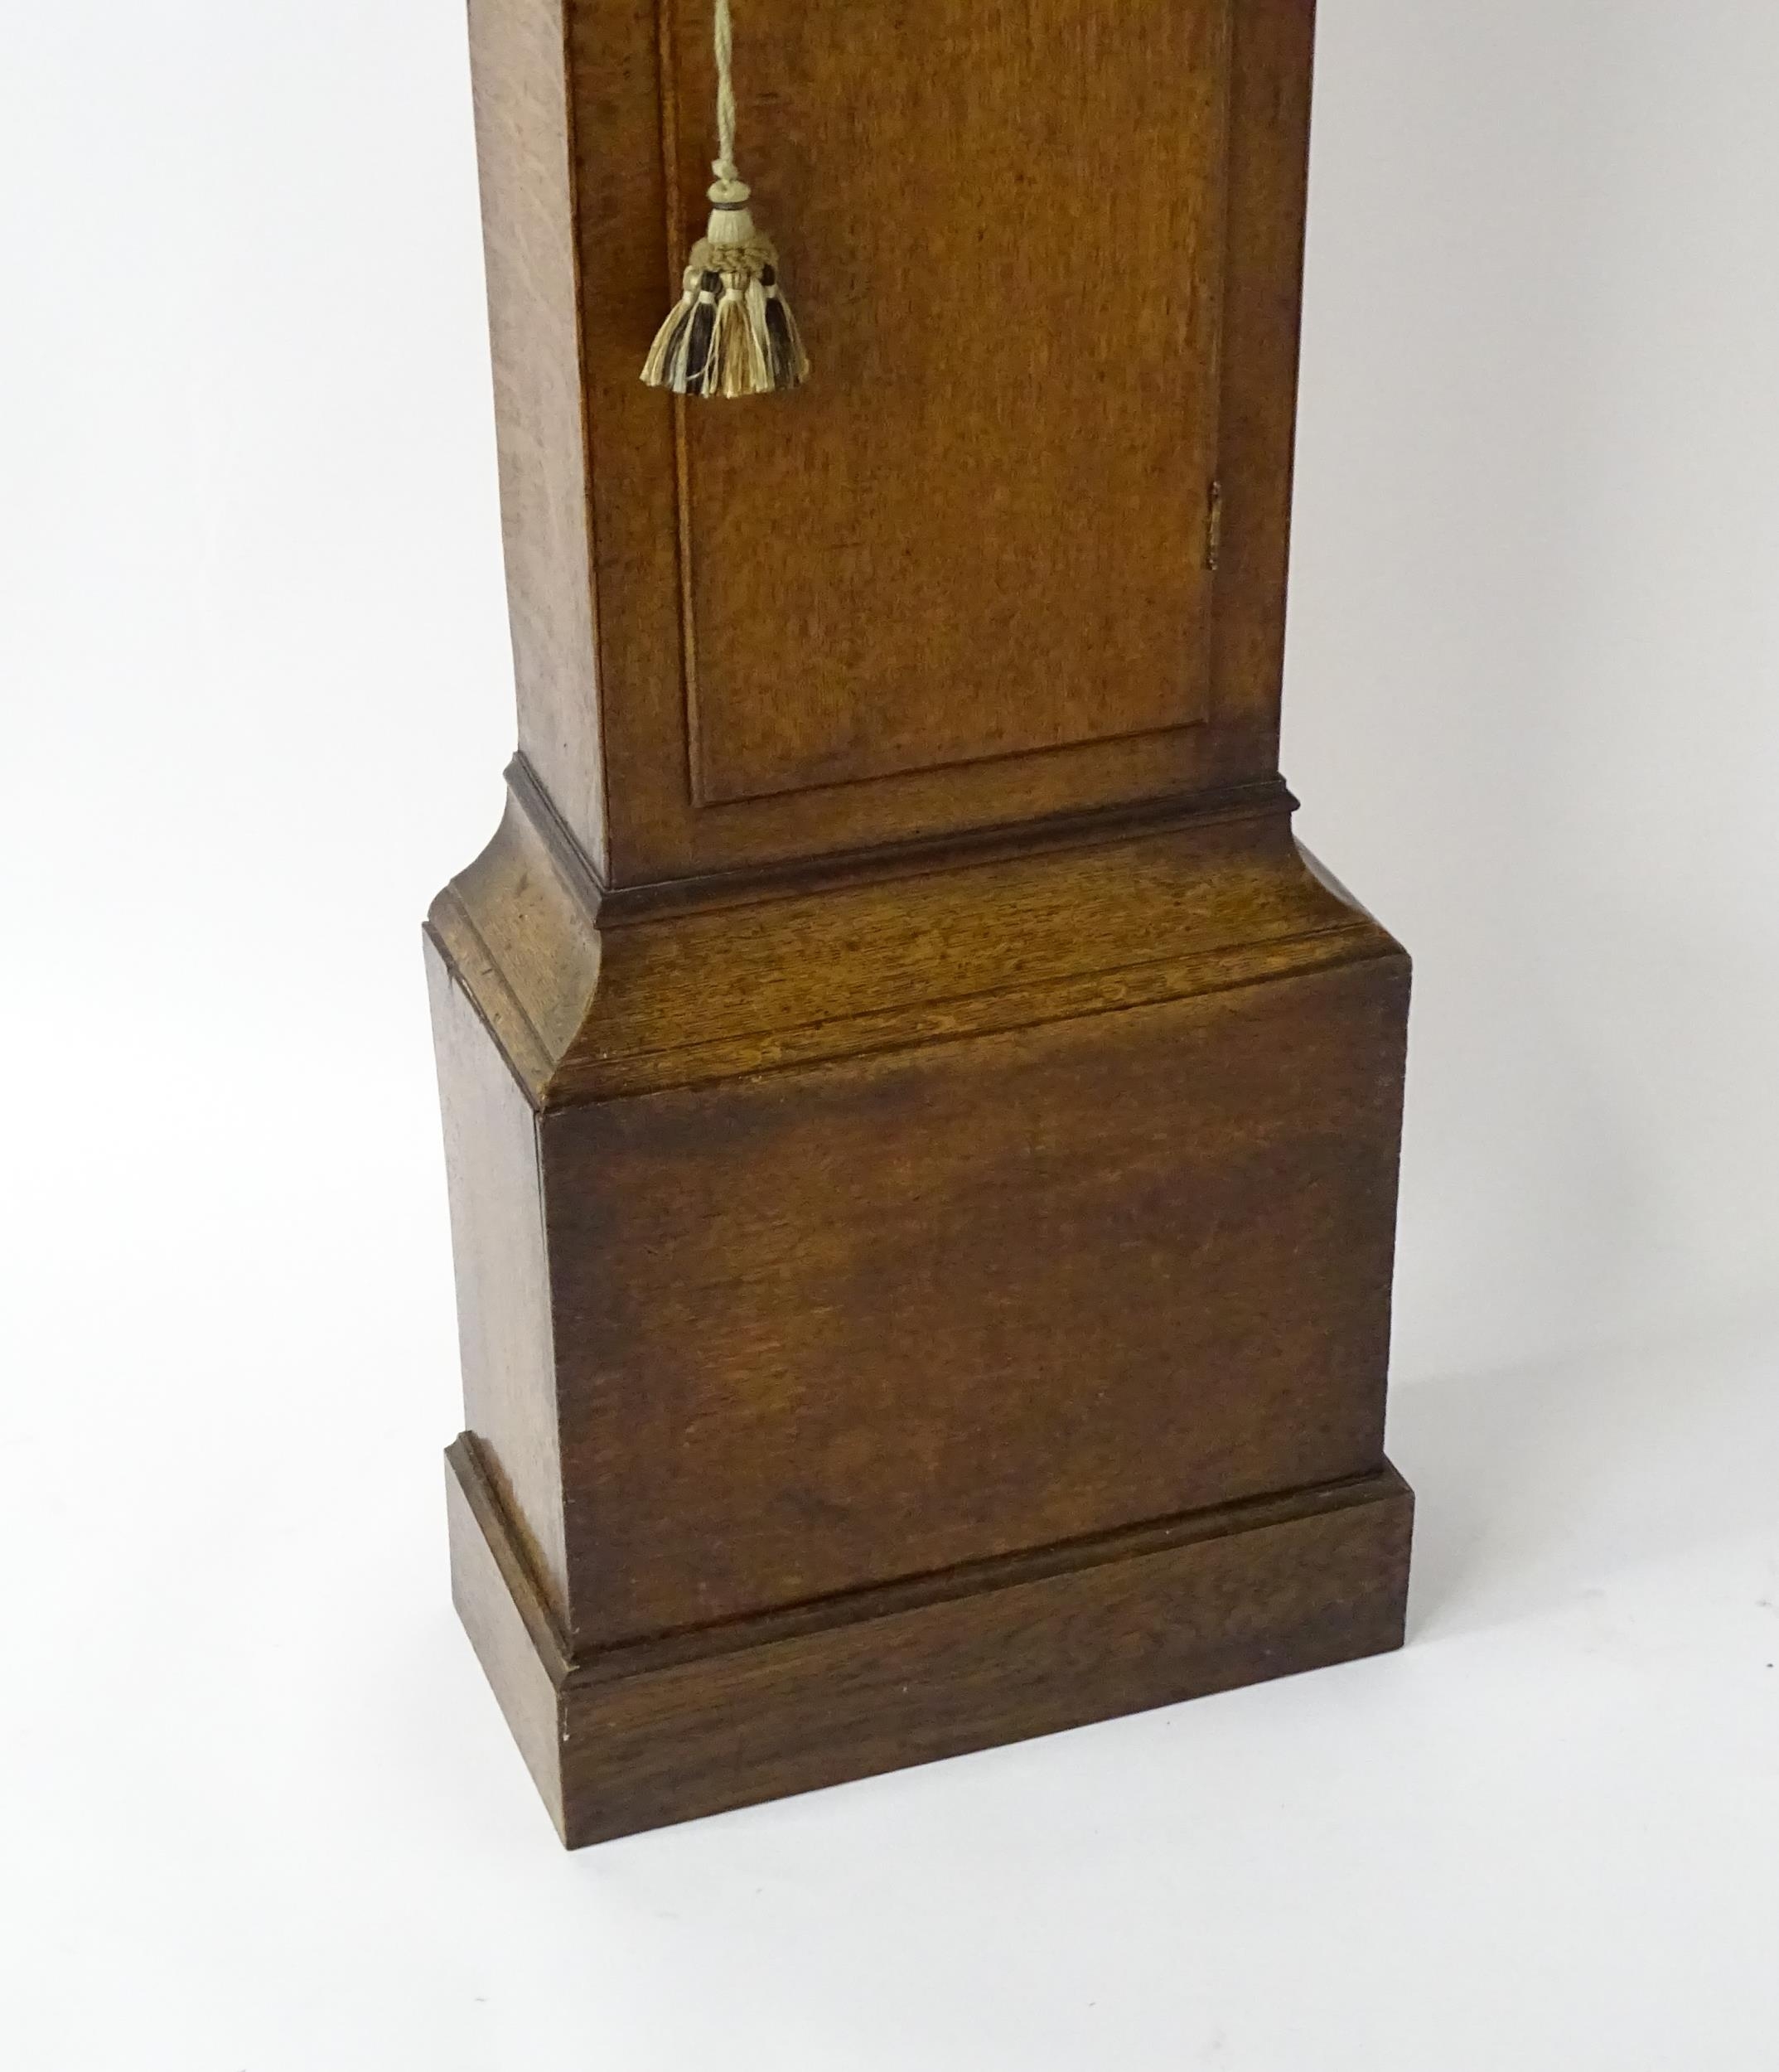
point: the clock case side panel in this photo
(525, 159)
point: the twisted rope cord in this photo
(724, 167)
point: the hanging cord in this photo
(732, 333)
(730, 223)
(724, 168)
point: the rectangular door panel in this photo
(980, 530)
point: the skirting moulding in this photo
(922, 1136)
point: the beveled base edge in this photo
(1233, 1596)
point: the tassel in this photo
(731, 332)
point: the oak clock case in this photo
(922, 1137)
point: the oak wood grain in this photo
(497, 1234)
(922, 1137)
(903, 1310)
(708, 677)
(980, 530)
(852, 1687)
(523, 119)
(917, 945)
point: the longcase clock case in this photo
(922, 1137)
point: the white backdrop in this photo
(258, 1810)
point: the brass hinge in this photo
(1214, 527)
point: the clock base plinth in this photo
(650, 1733)
(907, 1309)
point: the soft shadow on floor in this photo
(1535, 1486)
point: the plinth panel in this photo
(826, 1328)
(1231, 1596)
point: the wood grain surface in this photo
(980, 531)
(845, 1323)
(1048, 256)
(857, 1686)
(922, 1136)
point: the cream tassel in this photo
(732, 332)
